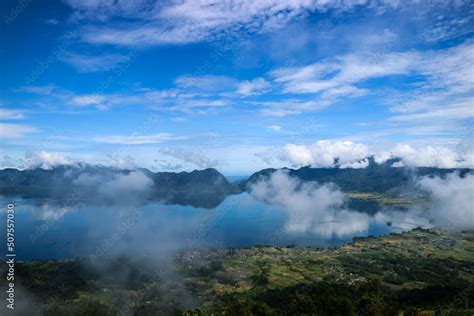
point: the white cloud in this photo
(382, 157)
(300, 155)
(52, 211)
(181, 99)
(353, 155)
(446, 94)
(364, 163)
(198, 103)
(320, 209)
(88, 100)
(398, 164)
(253, 87)
(443, 77)
(452, 200)
(275, 128)
(197, 158)
(91, 63)
(206, 83)
(15, 130)
(443, 93)
(311, 207)
(445, 110)
(122, 162)
(433, 157)
(103, 101)
(337, 75)
(138, 139)
(191, 21)
(123, 187)
(324, 153)
(41, 90)
(133, 182)
(445, 29)
(46, 160)
(378, 39)
(450, 68)
(289, 107)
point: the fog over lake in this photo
(53, 229)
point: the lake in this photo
(54, 229)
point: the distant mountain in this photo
(374, 178)
(204, 188)
(200, 188)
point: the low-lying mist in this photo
(323, 209)
(128, 246)
(311, 207)
(451, 200)
(131, 187)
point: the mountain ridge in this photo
(200, 188)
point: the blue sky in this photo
(236, 85)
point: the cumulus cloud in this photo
(452, 200)
(433, 157)
(347, 154)
(398, 164)
(123, 162)
(49, 160)
(382, 156)
(311, 207)
(429, 156)
(325, 153)
(46, 160)
(356, 164)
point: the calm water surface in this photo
(53, 229)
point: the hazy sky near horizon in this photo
(236, 85)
